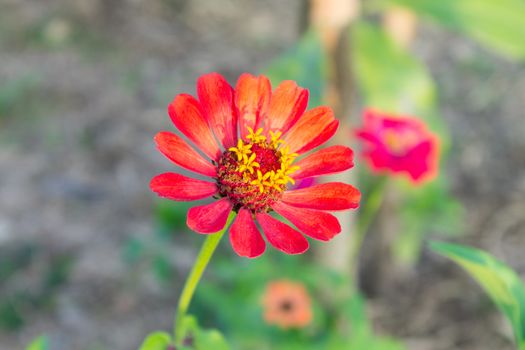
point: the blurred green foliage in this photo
(304, 63)
(392, 80)
(231, 297)
(40, 343)
(18, 304)
(499, 281)
(170, 216)
(425, 211)
(156, 341)
(198, 339)
(203, 339)
(362, 335)
(169, 219)
(497, 24)
(14, 94)
(59, 32)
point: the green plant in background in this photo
(13, 96)
(233, 299)
(155, 252)
(496, 24)
(40, 343)
(305, 63)
(499, 281)
(360, 334)
(199, 339)
(157, 341)
(391, 79)
(17, 303)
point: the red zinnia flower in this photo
(399, 145)
(250, 172)
(287, 304)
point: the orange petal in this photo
(252, 98)
(314, 223)
(313, 129)
(216, 98)
(329, 160)
(287, 104)
(182, 154)
(329, 196)
(186, 113)
(178, 187)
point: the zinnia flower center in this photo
(286, 305)
(400, 141)
(254, 174)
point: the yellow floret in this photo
(247, 165)
(256, 136)
(275, 139)
(242, 150)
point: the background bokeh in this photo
(87, 254)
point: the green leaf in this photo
(499, 281)
(156, 341)
(203, 339)
(40, 343)
(210, 339)
(306, 64)
(497, 24)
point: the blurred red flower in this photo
(287, 304)
(399, 144)
(249, 138)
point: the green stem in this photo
(366, 217)
(205, 254)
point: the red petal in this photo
(186, 113)
(209, 218)
(245, 238)
(314, 128)
(182, 154)
(421, 162)
(252, 98)
(314, 223)
(181, 188)
(216, 97)
(282, 236)
(287, 104)
(326, 161)
(329, 196)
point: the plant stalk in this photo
(205, 254)
(366, 217)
